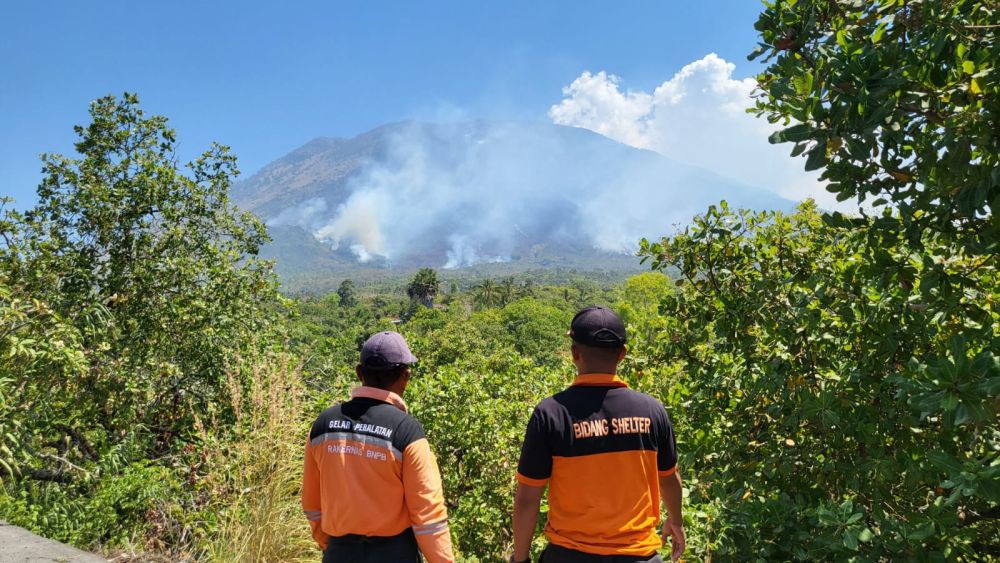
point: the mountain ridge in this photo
(414, 193)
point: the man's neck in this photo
(588, 371)
(397, 389)
(379, 394)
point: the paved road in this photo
(18, 545)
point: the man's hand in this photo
(672, 494)
(675, 530)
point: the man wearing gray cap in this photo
(607, 455)
(371, 488)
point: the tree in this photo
(898, 101)
(346, 292)
(148, 280)
(537, 329)
(638, 305)
(894, 100)
(36, 345)
(834, 405)
(449, 297)
(424, 286)
(486, 294)
(507, 290)
(528, 288)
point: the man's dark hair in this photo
(599, 354)
(382, 378)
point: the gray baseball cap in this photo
(386, 350)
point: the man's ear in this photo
(404, 380)
(357, 370)
(621, 353)
(575, 351)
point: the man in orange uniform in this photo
(607, 454)
(371, 487)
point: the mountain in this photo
(454, 195)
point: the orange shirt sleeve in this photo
(424, 497)
(311, 503)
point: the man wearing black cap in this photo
(607, 454)
(371, 488)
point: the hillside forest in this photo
(834, 379)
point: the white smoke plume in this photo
(459, 194)
(306, 213)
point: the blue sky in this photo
(264, 77)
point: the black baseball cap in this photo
(599, 327)
(386, 350)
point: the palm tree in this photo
(507, 290)
(528, 288)
(424, 286)
(486, 294)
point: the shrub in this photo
(253, 467)
(842, 386)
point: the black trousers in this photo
(558, 554)
(357, 549)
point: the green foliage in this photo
(35, 342)
(507, 290)
(474, 412)
(328, 336)
(896, 101)
(114, 511)
(486, 294)
(537, 330)
(424, 286)
(891, 338)
(638, 305)
(347, 293)
(840, 388)
(126, 291)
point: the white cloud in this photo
(595, 102)
(698, 117)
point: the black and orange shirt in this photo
(601, 448)
(369, 471)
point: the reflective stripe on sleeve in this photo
(313, 515)
(430, 528)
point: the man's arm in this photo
(424, 497)
(527, 500)
(311, 502)
(670, 484)
(533, 471)
(673, 526)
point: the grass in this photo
(255, 476)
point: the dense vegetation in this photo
(130, 298)
(834, 380)
(842, 387)
(897, 101)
